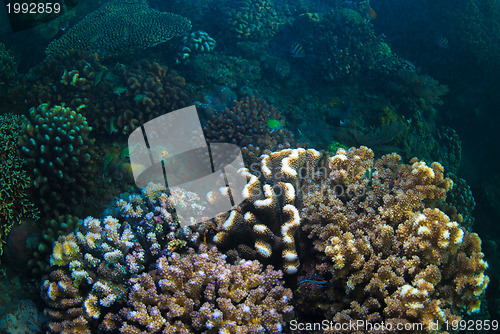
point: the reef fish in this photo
(442, 42)
(313, 282)
(120, 90)
(297, 50)
(274, 124)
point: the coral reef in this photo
(196, 42)
(103, 277)
(215, 68)
(120, 27)
(255, 126)
(460, 202)
(388, 252)
(40, 243)
(8, 70)
(264, 225)
(201, 292)
(23, 320)
(117, 97)
(56, 145)
(253, 20)
(15, 182)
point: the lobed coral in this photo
(264, 225)
(389, 253)
(249, 128)
(120, 27)
(15, 182)
(56, 145)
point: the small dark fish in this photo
(297, 51)
(314, 282)
(442, 42)
(98, 77)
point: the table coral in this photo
(120, 27)
(389, 253)
(15, 182)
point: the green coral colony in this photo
(324, 232)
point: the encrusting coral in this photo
(121, 27)
(389, 253)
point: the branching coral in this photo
(391, 255)
(56, 145)
(15, 182)
(103, 278)
(200, 292)
(249, 128)
(264, 225)
(121, 27)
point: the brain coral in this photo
(120, 27)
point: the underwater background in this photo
(369, 130)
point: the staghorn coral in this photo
(120, 27)
(249, 128)
(389, 253)
(201, 292)
(117, 97)
(15, 182)
(56, 145)
(264, 225)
